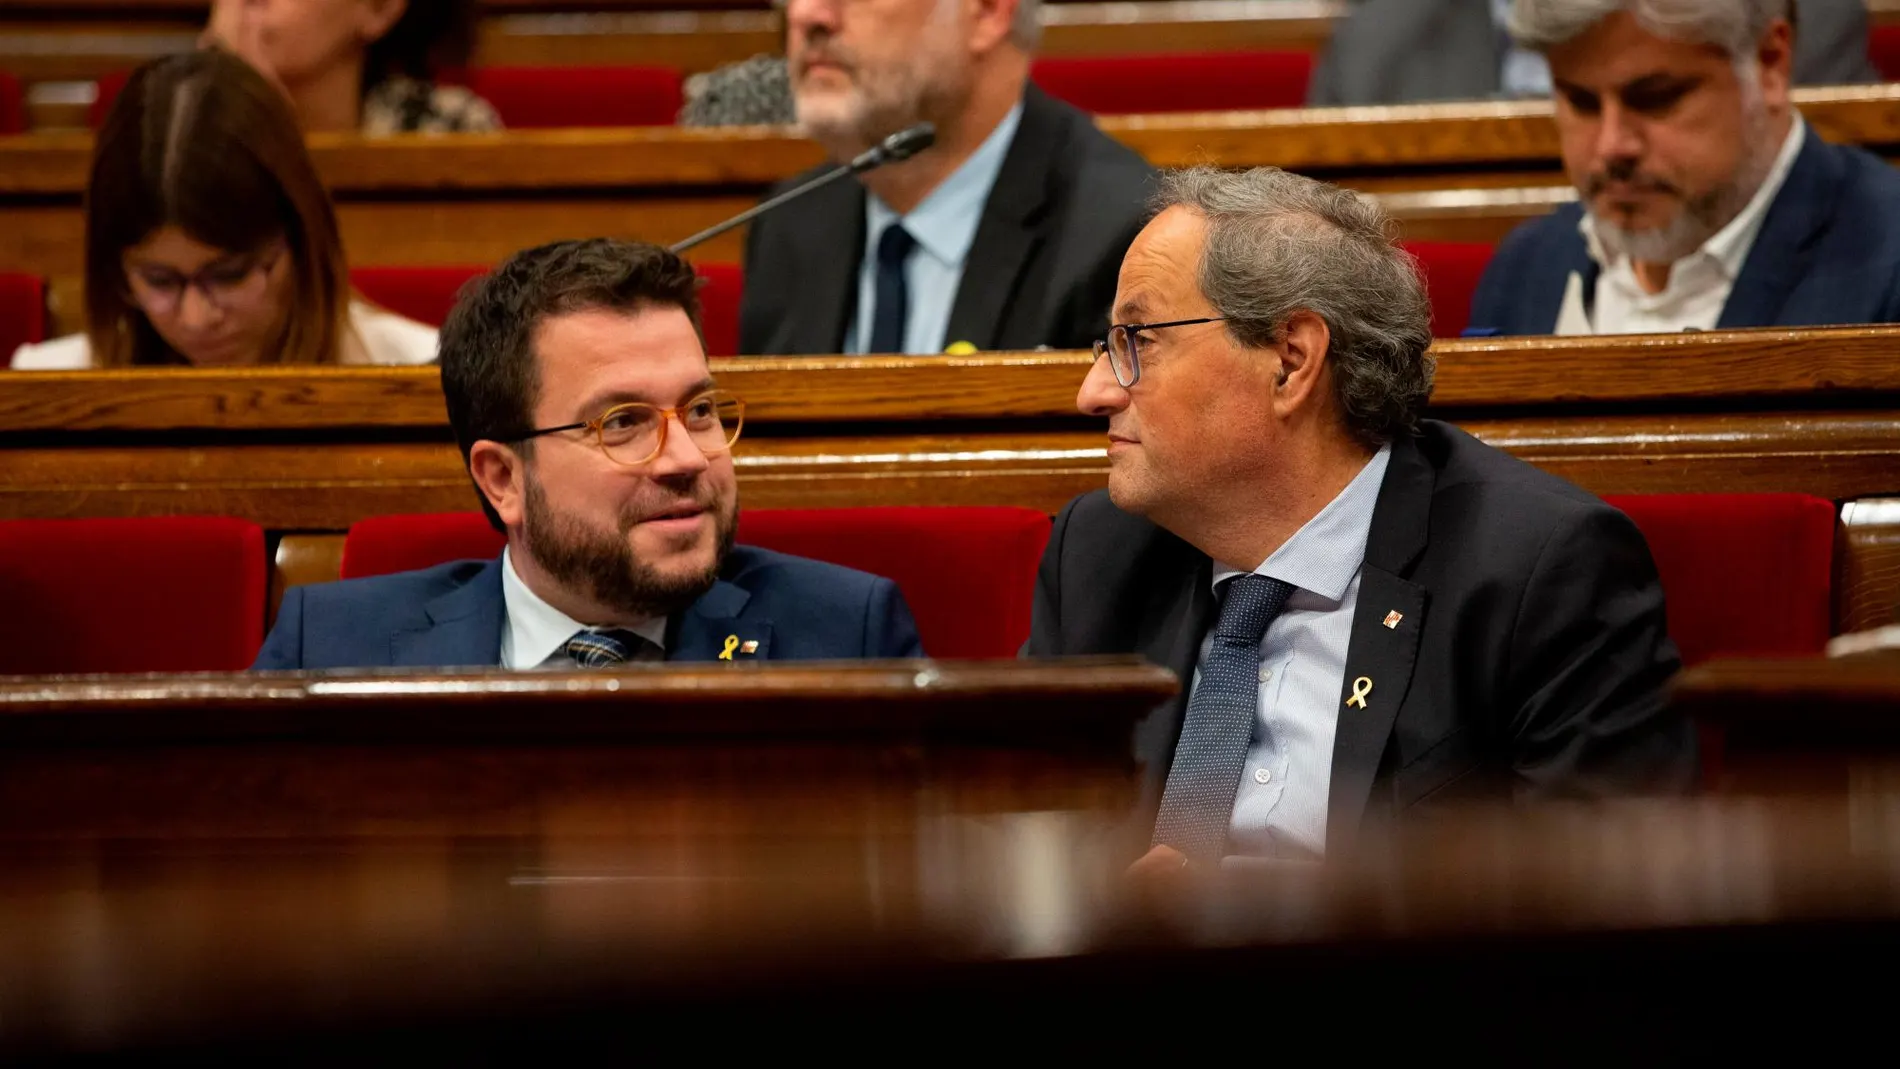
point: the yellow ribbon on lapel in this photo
(732, 643)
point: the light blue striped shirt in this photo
(944, 225)
(1280, 808)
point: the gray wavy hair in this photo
(1731, 25)
(1279, 243)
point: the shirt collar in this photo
(536, 630)
(944, 224)
(1730, 246)
(1324, 555)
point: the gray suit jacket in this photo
(1408, 51)
(1042, 270)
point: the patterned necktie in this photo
(890, 314)
(1198, 803)
(604, 649)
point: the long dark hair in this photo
(202, 142)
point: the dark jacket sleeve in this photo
(1045, 617)
(1590, 663)
(283, 647)
(891, 631)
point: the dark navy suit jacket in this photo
(1828, 254)
(452, 616)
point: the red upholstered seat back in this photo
(1210, 81)
(12, 105)
(22, 312)
(170, 594)
(106, 90)
(424, 294)
(967, 573)
(1452, 270)
(1745, 574)
(1883, 47)
(719, 307)
(529, 97)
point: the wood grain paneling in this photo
(1868, 590)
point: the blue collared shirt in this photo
(944, 225)
(1280, 808)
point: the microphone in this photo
(896, 148)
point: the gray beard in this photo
(1700, 218)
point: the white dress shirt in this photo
(1699, 283)
(387, 339)
(1280, 807)
(944, 225)
(534, 633)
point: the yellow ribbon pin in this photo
(1360, 688)
(732, 643)
(959, 348)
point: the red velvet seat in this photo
(169, 594)
(105, 91)
(22, 312)
(1211, 81)
(12, 105)
(530, 97)
(968, 573)
(1883, 47)
(424, 294)
(1452, 270)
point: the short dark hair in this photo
(431, 38)
(489, 375)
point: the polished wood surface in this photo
(1460, 172)
(1869, 595)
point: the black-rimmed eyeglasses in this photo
(1124, 354)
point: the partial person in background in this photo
(367, 65)
(1411, 51)
(751, 92)
(1005, 235)
(1704, 199)
(210, 241)
(601, 446)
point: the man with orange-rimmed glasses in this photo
(579, 392)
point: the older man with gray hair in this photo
(1375, 611)
(1004, 235)
(1704, 200)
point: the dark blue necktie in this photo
(604, 649)
(892, 310)
(1198, 803)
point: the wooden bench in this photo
(312, 451)
(1451, 172)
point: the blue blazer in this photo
(452, 616)
(1828, 254)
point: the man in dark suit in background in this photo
(1705, 201)
(600, 444)
(1005, 235)
(1372, 612)
(1413, 51)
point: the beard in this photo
(1698, 218)
(601, 566)
(885, 95)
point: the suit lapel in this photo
(1380, 659)
(1007, 236)
(718, 621)
(1779, 259)
(826, 288)
(464, 626)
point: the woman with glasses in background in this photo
(210, 241)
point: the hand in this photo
(1162, 869)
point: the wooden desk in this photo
(1464, 172)
(1801, 725)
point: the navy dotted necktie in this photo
(604, 649)
(891, 313)
(1198, 803)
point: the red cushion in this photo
(12, 105)
(106, 90)
(168, 594)
(1210, 81)
(1452, 270)
(527, 97)
(1883, 47)
(424, 294)
(967, 573)
(1744, 574)
(719, 307)
(22, 312)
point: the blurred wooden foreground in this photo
(948, 880)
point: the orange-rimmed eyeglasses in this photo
(633, 434)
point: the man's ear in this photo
(1302, 371)
(990, 23)
(1774, 54)
(378, 17)
(501, 475)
